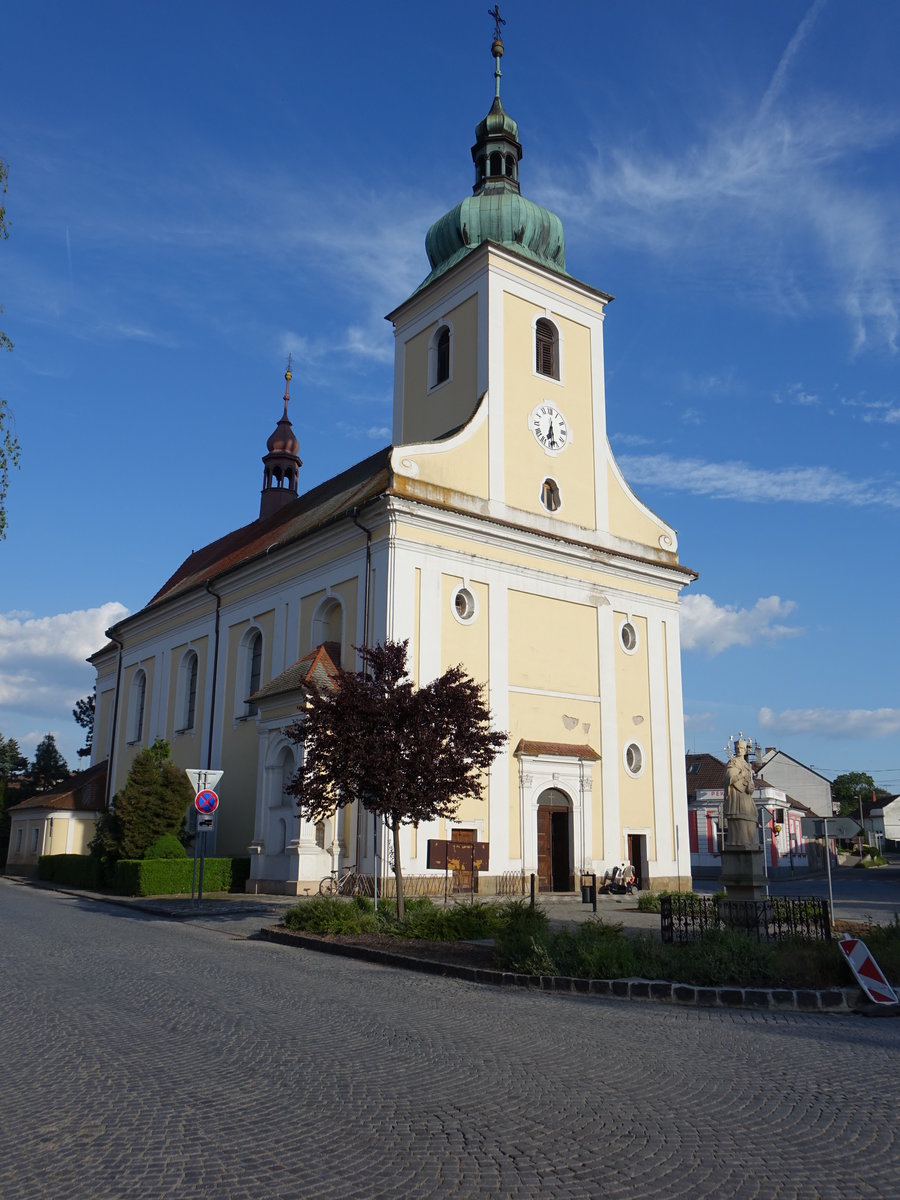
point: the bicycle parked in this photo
(349, 883)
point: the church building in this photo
(496, 532)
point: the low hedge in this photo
(76, 870)
(144, 877)
(173, 876)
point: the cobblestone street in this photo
(147, 1058)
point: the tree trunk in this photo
(398, 870)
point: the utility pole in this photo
(862, 827)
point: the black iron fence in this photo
(683, 918)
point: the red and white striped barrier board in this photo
(868, 974)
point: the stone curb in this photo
(807, 1000)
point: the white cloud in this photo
(631, 439)
(379, 433)
(713, 628)
(68, 637)
(740, 481)
(699, 721)
(797, 394)
(833, 722)
(43, 672)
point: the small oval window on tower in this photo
(550, 495)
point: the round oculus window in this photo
(628, 636)
(464, 606)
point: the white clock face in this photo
(550, 428)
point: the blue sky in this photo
(195, 190)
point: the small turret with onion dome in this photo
(281, 465)
(496, 211)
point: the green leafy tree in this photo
(408, 754)
(83, 712)
(847, 789)
(9, 445)
(12, 760)
(153, 802)
(48, 767)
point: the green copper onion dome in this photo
(496, 211)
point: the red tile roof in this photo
(314, 669)
(83, 792)
(557, 749)
(332, 499)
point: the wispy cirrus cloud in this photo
(712, 628)
(833, 722)
(797, 394)
(738, 480)
(767, 195)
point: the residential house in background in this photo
(58, 822)
(805, 785)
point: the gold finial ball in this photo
(288, 376)
(497, 48)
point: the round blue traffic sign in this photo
(206, 802)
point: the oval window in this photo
(634, 759)
(629, 637)
(464, 607)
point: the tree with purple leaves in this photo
(404, 753)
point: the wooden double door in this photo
(554, 843)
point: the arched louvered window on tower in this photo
(546, 348)
(439, 355)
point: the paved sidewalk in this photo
(244, 915)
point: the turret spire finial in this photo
(497, 47)
(287, 381)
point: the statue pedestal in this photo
(744, 880)
(743, 876)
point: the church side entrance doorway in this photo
(637, 856)
(554, 842)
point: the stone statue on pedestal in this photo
(740, 808)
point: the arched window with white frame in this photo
(186, 692)
(328, 628)
(249, 672)
(546, 348)
(137, 699)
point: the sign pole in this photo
(205, 802)
(828, 868)
(202, 858)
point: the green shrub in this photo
(173, 876)
(76, 870)
(333, 914)
(167, 846)
(459, 922)
(520, 943)
(874, 860)
(649, 901)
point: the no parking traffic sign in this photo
(206, 802)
